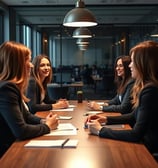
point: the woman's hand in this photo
(94, 105)
(62, 103)
(94, 127)
(101, 119)
(52, 121)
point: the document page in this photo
(64, 129)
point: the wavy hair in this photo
(13, 56)
(145, 60)
(121, 82)
(35, 72)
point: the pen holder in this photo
(79, 96)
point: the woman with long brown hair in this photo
(144, 60)
(16, 122)
(122, 101)
(41, 75)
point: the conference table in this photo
(91, 151)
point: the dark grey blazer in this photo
(124, 106)
(144, 119)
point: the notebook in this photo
(52, 143)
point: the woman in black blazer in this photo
(16, 122)
(41, 75)
(144, 117)
(122, 101)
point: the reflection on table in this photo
(91, 151)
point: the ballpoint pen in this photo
(62, 145)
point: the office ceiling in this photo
(113, 16)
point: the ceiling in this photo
(113, 16)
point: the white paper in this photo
(63, 129)
(64, 117)
(66, 109)
(44, 143)
(71, 143)
(52, 143)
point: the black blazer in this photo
(34, 94)
(124, 106)
(15, 121)
(145, 119)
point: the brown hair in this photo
(13, 56)
(122, 82)
(35, 72)
(145, 59)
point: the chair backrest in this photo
(56, 91)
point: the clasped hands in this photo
(94, 123)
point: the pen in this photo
(62, 145)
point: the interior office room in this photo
(120, 25)
(83, 59)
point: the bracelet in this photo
(101, 108)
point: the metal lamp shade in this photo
(82, 32)
(79, 17)
(83, 41)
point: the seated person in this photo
(144, 59)
(122, 101)
(16, 122)
(41, 75)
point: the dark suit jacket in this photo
(34, 94)
(145, 119)
(124, 106)
(15, 121)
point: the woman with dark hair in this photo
(41, 75)
(16, 122)
(122, 101)
(144, 69)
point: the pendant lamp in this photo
(82, 32)
(83, 41)
(79, 16)
(83, 46)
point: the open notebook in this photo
(53, 143)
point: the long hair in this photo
(145, 60)
(121, 82)
(35, 72)
(13, 56)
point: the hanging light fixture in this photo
(82, 32)
(83, 41)
(83, 46)
(79, 16)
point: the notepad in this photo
(72, 143)
(63, 129)
(65, 109)
(64, 117)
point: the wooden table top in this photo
(91, 152)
